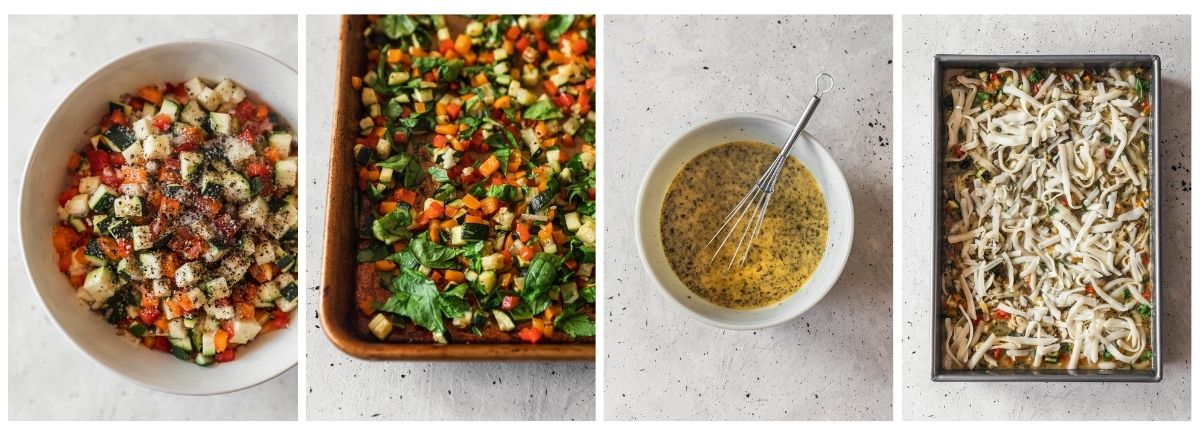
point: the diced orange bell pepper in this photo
(470, 201)
(489, 166)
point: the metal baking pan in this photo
(339, 317)
(944, 62)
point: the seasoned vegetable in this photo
(476, 173)
(179, 226)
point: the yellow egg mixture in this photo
(790, 243)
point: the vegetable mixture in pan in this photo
(1047, 219)
(179, 225)
(476, 172)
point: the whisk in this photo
(759, 196)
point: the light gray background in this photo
(344, 388)
(1167, 37)
(48, 378)
(666, 74)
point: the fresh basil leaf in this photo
(589, 294)
(543, 110)
(373, 252)
(503, 192)
(557, 25)
(393, 226)
(397, 26)
(416, 297)
(438, 174)
(542, 272)
(433, 255)
(405, 260)
(473, 252)
(503, 155)
(452, 303)
(450, 70)
(575, 324)
(426, 63)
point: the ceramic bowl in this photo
(744, 127)
(266, 79)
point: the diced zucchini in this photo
(209, 99)
(214, 252)
(188, 274)
(190, 165)
(118, 137)
(572, 221)
(151, 265)
(239, 153)
(156, 147)
(102, 199)
(456, 236)
(219, 123)
(193, 114)
(222, 312)
(474, 232)
(281, 142)
(486, 281)
(194, 86)
(94, 253)
(286, 263)
(77, 223)
(380, 326)
(503, 320)
(244, 331)
(100, 284)
(89, 184)
(127, 270)
(128, 206)
(255, 212)
(143, 237)
(385, 175)
(204, 360)
(141, 128)
(285, 172)
(236, 187)
(169, 108)
(267, 294)
(286, 305)
(211, 184)
(227, 91)
(209, 343)
(161, 287)
(137, 329)
(587, 231)
(492, 262)
(178, 334)
(217, 288)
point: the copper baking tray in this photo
(338, 312)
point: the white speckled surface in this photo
(665, 74)
(48, 378)
(1167, 37)
(344, 388)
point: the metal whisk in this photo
(759, 196)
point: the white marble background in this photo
(1168, 37)
(48, 378)
(665, 74)
(344, 388)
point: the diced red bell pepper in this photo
(530, 335)
(509, 302)
(225, 356)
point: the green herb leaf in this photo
(397, 26)
(433, 255)
(416, 297)
(543, 110)
(373, 252)
(557, 25)
(438, 174)
(575, 325)
(393, 226)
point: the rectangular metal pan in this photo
(338, 312)
(941, 64)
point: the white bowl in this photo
(266, 79)
(744, 127)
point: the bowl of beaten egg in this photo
(802, 245)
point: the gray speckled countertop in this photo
(344, 388)
(1168, 37)
(665, 74)
(48, 379)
